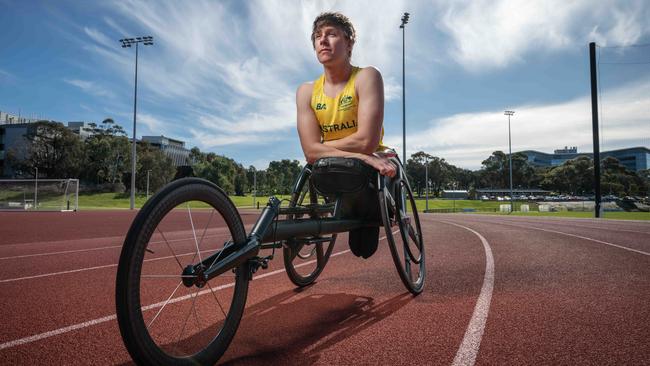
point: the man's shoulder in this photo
(304, 90)
(368, 77)
(369, 71)
(368, 74)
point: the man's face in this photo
(331, 45)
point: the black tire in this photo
(155, 323)
(299, 255)
(407, 247)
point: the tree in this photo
(493, 173)
(106, 154)
(52, 148)
(415, 170)
(157, 164)
(618, 180)
(280, 175)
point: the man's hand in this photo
(382, 164)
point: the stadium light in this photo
(127, 42)
(426, 183)
(510, 113)
(405, 20)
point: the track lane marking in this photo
(108, 318)
(567, 234)
(585, 238)
(573, 224)
(469, 347)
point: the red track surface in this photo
(565, 291)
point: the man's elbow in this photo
(369, 145)
(311, 156)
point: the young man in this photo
(341, 113)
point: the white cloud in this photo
(154, 124)
(100, 37)
(495, 34)
(90, 87)
(467, 139)
(231, 74)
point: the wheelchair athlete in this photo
(340, 114)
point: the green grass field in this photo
(492, 207)
(113, 201)
(120, 200)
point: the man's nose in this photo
(323, 41)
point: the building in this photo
(633, 158)
(455, 194)
(12, 139)
(10, 119)
(81, 129)
(175, 149)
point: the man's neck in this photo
(337, 74)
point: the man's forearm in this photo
(353, 143)
(321, 150)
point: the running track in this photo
(500, 290)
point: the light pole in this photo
(36, 190)
(405, 20)
(127, 42)
(510, 113)
(254, 186)
(148, 171)
(426, 184)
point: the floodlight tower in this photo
(510, 113)
(405, 20)
(127, 42)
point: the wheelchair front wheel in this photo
(166, 313)
(404, 233)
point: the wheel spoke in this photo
(165, 304)
(217, 300)
(189, 313)
(206, 226)
(196, 242)
(170, 247)
(196, 314)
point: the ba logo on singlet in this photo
(345, 103)
(321, 106)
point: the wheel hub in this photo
(194, 276)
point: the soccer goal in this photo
(39, 194)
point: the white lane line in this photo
(91, 249)
(468, 350)
(89, 323)
(86, 269)
(583, 237)
(56, 332)
(57, 253)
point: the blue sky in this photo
(222, 75)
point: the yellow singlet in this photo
(337, 116)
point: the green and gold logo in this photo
(345, 102)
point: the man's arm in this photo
(370, 114)
(310, 136)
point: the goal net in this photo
(39, 194)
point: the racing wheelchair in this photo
(184, 270)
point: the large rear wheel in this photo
(404, 233)
(167, 316)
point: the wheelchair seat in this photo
(336, 176)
